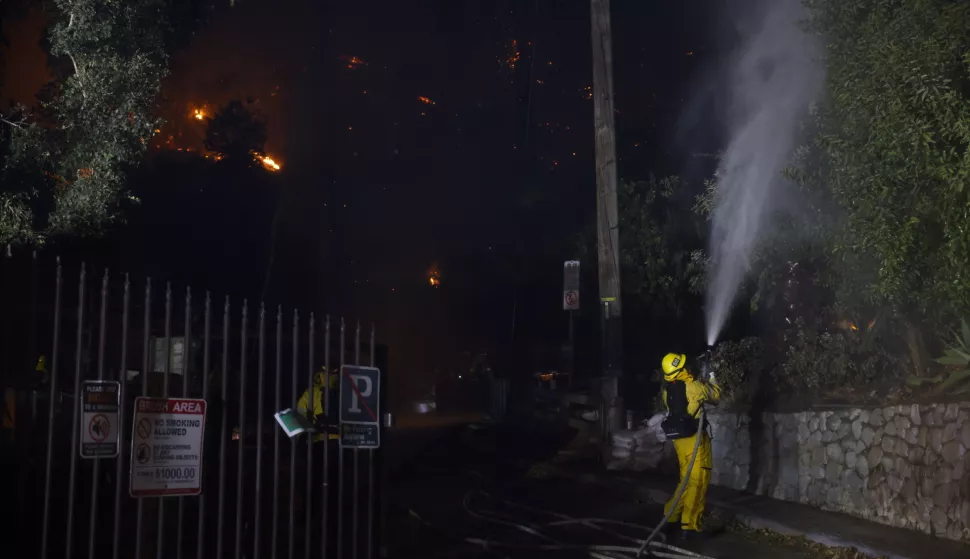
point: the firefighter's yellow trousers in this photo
(689, 509)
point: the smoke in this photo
(772, 80)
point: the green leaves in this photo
(956, 357)
(658, 237)
(69, 173)
(894, 151)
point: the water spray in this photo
(771, 86)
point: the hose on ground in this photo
(680, 488)
(599, 551)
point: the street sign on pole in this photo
(166, 447)
(100, 432)
(570, 286)
(360, 391)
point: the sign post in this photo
(100, 432)
(360, 390)
(570, 286)
(570, 303)
(166, 447)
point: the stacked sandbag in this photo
(623, 445)
(651, 445)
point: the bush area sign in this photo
(100, 432)
(166, 447)
(360, 398)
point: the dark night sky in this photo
(492, 182)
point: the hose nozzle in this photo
(707, 370)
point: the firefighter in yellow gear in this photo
(319, 417)
(684, 396)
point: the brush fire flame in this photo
(198, 114)
(514, 56)
(353, 62)
(426, 100)
(268, 162)
(434, 277)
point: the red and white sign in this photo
(166, 450)
(570, 286)
(100, 432)
(570, 301)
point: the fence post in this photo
(186, 358)
(53, 394)
(200, 544)
(241, 458)
(274, 544)
(123, 379)
(260, 410)
(69, 537)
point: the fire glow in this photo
(353, 62)
(426, 100)
(267, 162)
(514, 57)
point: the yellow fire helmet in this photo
(320, 377)
(672, 364)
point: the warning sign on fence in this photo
(360, 398)
(166, 447)
(100, 401)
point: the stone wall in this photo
(906, 466)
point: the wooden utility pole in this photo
(607, 233)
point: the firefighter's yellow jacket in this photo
(319, 382)
(689, 510)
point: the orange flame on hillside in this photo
(514, 56)
(268, 162)
(434, 276)
(353, 62)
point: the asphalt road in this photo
(440, 498)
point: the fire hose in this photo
(597, 551)
(679, 494)
(654, 548)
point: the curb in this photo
(756, 522)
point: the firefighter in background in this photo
(684, 396)
(319, 418)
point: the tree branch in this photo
(15, 124)
(77, 70)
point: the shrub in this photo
(956, 359)
(821, 362)
(739, 366)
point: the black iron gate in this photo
(263, 494)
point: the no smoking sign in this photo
(100, 403)
(570, 300)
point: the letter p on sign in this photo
(360, 391)
(364, 387)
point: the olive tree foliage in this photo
(64, 162)
(65, 167)
(894, 155)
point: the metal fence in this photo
(263, 494)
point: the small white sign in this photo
(100, 400)
(166, 447)
(570, 285)
(176, 355)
